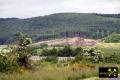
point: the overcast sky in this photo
(32, 8)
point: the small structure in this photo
(65, 58)
(39, 58)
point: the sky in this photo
(33, 8)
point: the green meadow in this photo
(66, 70)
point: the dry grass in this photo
(48, 71)
(52, 72)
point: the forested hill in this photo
(108, 15)
(60, 25)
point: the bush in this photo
(78, 51)
(45, 52)
(53, 52)
(92, 54)
(8, 62)
(66, 52)
(115, 58)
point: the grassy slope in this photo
(109, 48)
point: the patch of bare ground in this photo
(76, 41)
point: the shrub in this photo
(8, 62)
(66, 52)
(115, 58)
(12, 58)
(78, 51)
(92, 54)
(53, 52)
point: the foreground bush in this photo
(11, 59)
(8, 61)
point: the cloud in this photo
(99, 7)
(31, 8)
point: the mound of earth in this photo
(76, 41)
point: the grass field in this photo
(109, 45)
(75, 71)
(48, 71)
(109, 48)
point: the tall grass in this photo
(52, 72)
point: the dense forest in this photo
(108, 15)
(61, 25)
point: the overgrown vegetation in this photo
(8, 60)
(79, 52)
(86, 63)
(13, 58)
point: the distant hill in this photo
(108, 15)
(60, 25)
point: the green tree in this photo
(66, 51)
(78, 51)
(45, 52)
(22, 49)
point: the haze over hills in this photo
(61, 25)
